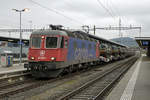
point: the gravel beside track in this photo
(96, 88)
(59, 87)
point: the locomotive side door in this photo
(64, 48)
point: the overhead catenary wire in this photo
(113, 8)
(57, 12)
(123, 18)
(105, 8)
(113, 11)
(110, 6)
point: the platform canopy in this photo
(143, 42)
(14, 40)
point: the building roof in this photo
(76, 34)
(108, 41)
(143, 42)
(14, 40)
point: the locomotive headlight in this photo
(32, 58)
(43, 37)
(53, 58)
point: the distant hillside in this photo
(126, 41)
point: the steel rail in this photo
(31, 85)
(28, 86)
(109, 86)
(13, 74)
(86, 85)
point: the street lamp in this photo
(20, 11)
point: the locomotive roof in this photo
(49, 32)
(76, 34)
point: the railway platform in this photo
(135, 85)
(14, 68)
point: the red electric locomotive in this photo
(53, 51)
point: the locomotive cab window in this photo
(51, 42)
(36, 42)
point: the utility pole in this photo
(94, 30)
(20, 43)
(140, 32)
(120, 34)
(120, 28)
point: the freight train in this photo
(55, 51)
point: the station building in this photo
(8, 44)
(144, 43)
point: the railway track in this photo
(31, 84)
(97, 88)
(13, 83)
(13, 74)
(10, 78)
(9, 89)
(21, 86)
(60, 88)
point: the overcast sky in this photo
(75, 13)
